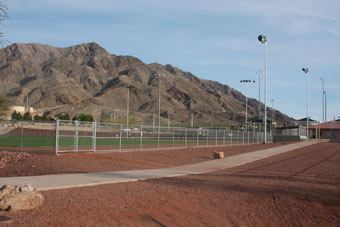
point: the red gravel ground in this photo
(297, 188)
(41, 164)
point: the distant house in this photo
(327, 130)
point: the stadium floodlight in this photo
(247, 82)
(307, 123)
(263, 39)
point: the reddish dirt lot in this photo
(297, 188)
(40, 164)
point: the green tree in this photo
(27, 116)
(65, 117)
(16, 116)
(83, 117)
(44, 117)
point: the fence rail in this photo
(75, 136)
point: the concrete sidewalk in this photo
(48, 182)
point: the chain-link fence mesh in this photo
(76, 136)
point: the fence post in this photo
(208, 131)
(141, 137)
(216, 137)
(173, 137)
(94, 136)
(224, 137)
(248, 135)
(238, 138)
(231, 137)
(120, 137)
(254, 135)
(21, 136)
(76, 136)
(186, 137)
(56, 137)
(158, 136)
(243, 137)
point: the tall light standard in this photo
(159, 97)
(259, 73)
(247, 82)
(263, 39)
(306, 71)
(323, 100)
(127, 109)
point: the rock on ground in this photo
(15, 198)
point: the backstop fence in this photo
(76, 136)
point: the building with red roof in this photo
(327, 130)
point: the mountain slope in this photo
(87, 79)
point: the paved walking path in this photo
(48, 182)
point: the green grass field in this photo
(38, 142)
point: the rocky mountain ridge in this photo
(87, 79)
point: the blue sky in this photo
(215, 39)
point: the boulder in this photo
(15, 198)
(218, 155)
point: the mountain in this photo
(87, 79)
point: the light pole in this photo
(127, 109)
(306, 71)
(247, 82)
(259, 73)
(323, 100)
(263, 39)
(159, 97)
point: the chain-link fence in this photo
(30, 136)
(75, 136)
